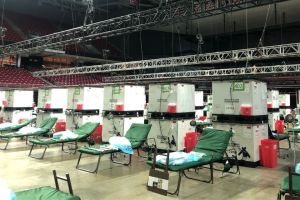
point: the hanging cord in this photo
(73, 24)
(2, 37)
(172, 46)
(141, 45)
(247, 34)
(261, 39)
(179, 41)
(124, 47)
(106, 39)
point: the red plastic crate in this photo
(119, 107)
(171, 108)
(60, 126)
(4, 102)
(47, 105)
(79, 106)
(282, 104)
(246, 110)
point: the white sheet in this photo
(64, 135)
(7, 124)
(26, 130)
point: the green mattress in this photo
(295, 130)
(137, 134)
(16, 126)
(45, 193)
(45, 127)
(213, 143)
(97, 150)
(284, 185)
(84, 131)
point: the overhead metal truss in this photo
(169, 13)
(207, 74)
(268, 52)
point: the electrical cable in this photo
(2, 22)
(124, 47)
(179, 41)
(247, 34)
(260, 42)
(141, 44)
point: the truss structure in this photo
(169, 13)
(207, 74)
(268, 52)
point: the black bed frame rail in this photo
(82, 112)
(50, 110)
(10, 109)
(67, 178)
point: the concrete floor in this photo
(19, 172)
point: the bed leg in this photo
(78, 161)
(121, 163)
(41, 157)
(211, 179)
(176, 192)
(211, 173)
(6, 145)
(86, 170)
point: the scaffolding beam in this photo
(177, 11)
(268, 52)
(208, 74)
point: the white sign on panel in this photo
(93, 98)
(134, 98)
(59, 98)
(198, 98)
(23, 98)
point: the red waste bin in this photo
(190, 141)
(268, 153)
(279, 126)
(97, 135)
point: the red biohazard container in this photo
(282, 104)
(4, 102)
(246, 110)
(79, 106)
(269, 105)
(60, 126)
(268, 153)
(97, 135)
(119, 107)
(202, 118)
(190, 141)
(47, 105)
(171, 108)
(279, 126)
